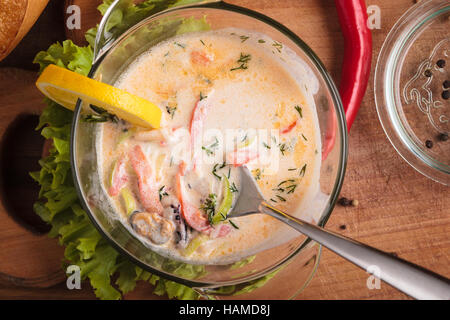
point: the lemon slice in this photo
(65, 87)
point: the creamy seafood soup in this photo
(229, 99)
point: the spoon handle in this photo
(413, 280)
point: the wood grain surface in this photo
(400, 211)
(28, 257)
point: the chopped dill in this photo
(266, 145)
(233, 225)
(283, 148)
(202, 42)
(180, 45)
(215, 168)
(214, 172)
(101, 116)
(299, 110)
(171, 110)
(244, 58)
(233, 188)
(243, 62)
(257, 174)
(285, 181)
(292, 169)
(291, 188)
(304, 137)
(244, 38)
(262, 41)
(97, 109)
(202, 96)
(95, 118)
(302, 171)
(210, 149)
(209, 206)
(162, 193)
(242, 66)
(277, 46)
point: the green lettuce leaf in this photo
(66, 55)
(54, 116)
(127, 14)
(258, 283)
(128, 276)
(243, 262)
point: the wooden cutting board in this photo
(27, 256)
(400, 211)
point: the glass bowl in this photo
(409, 88)
(289, 265)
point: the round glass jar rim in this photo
(387, 87)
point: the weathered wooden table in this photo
(400, 211)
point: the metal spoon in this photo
(413, 280)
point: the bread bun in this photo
(16, 19)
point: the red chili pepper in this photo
(357, 55)
(289, 128)
(357, 61)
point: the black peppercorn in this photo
(443, 137)
(446, 84)
(343, 227)
(429, 144)
(440, 63)
(428, 73)
(344, 202)
(445, 94)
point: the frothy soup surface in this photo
(227, 100)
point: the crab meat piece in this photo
(289, 127)
(201, 58)
(196, 127)
(193, 215)
(241, 157)
(148, 192)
